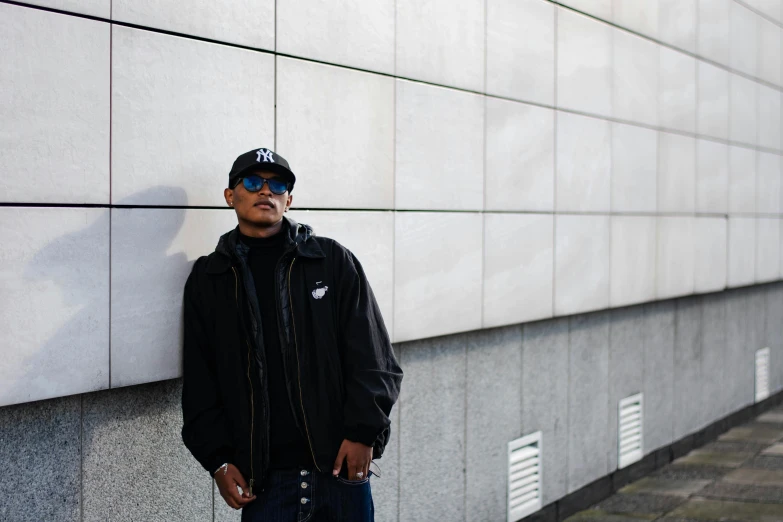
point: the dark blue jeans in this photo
(304, 495)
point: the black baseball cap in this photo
(261, 159)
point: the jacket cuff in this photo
(216, 460)
(363, 434)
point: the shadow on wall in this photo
(76, 357)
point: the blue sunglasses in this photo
(256, 183)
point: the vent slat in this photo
(762, 374)
(524, 476)
(629, 430)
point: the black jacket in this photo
(341, 373)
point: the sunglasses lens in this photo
(277, 187)
(253, 183)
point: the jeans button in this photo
(304, 485)
(304, 472)
(305, 500)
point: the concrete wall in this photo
(492, 164)
(117, 455)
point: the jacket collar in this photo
(298, 237)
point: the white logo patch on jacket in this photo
(319, 292)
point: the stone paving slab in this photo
(719, 510)
(765, 462)
(775, 417)
(713, 458)
(758, 432)
(759, 477)
(743, 492)
(775, 449)
(735, 446)
(596, 515)
(640, 504)
(664, 486)
(691, 472)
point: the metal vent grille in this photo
(630, 448)
(524, 476)
(762, 374)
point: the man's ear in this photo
(228, 194)
(288, 202)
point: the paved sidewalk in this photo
(738, 478)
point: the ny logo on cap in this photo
(264, 155)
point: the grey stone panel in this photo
(713, 357)
(588, 399)
(774, 334)
(626, 368)
(432, 429)
(135, 466)
(385, 489)
(658, 334)
(494, 387)
(688, 414)
(40, 458)
(739, 372)
(545, 399)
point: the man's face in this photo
(262, 208)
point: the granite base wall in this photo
(117, 454)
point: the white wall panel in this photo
(767, 183)
(677, 23)
(769, 118)
(713, 101)
(437, 273)
(635, 82)
(771, 8)
(675, 256)
(767, 249)
(518, 268)
(244, 22)
(336, 128)
(521, 50)
(743, 109)
(345, 32)
(520, 149)
(581, 263)
(54, 107)
(713, 32)
(633, 246)
(584, 155)
(441, 43)
(769, 51)
(742, 251)
(640, 17)
(710, 236)
(634, 168)
(439, 142)
(712, 176)
(99, 8)
(54, 302)
(152, 253)
(370, 236)
(743, 27)
(177, 121)
(676, 173)
(742, 180)
(584, 63)
(677, 90)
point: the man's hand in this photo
(357, 457)
(227, 485)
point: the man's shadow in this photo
(76, 358)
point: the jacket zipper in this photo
(298, 370)
(250, 381)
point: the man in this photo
(289, 374)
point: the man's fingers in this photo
(338, 464)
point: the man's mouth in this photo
(264, 204)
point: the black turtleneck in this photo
(288, 447)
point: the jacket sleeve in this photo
(371, 373)
(204, 428)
